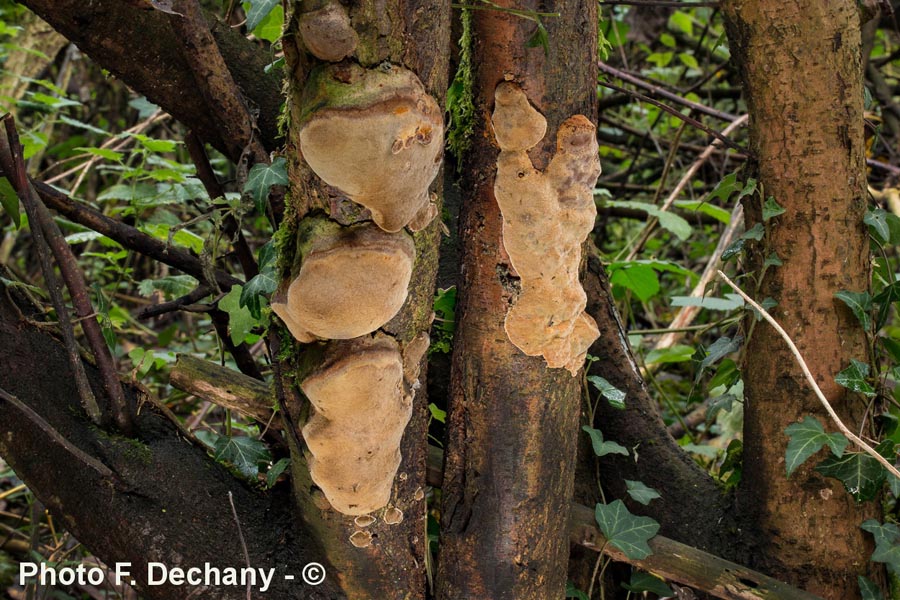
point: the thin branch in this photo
(54, 435)
(214, 80)
(690, 121)
(229, 224)
(237, 522)
(659, 91)
(812, 381)
(682, 183)
(662, 3)
(17, 178)
(155, 310)
(74, 279)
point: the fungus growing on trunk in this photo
(352, 280)
(547, 216)
(326, 31)
(377, 136)
(360, 409)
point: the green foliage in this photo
(884, 226)
(887, 548)
(625, 531)
(613, 395)
(262, 177)
(641, 492)
(573, 592)
(854, 378)
(258, 289)
(858, 302)
(806, 439)
(240, 319)
(645, 582)
(868, 589)
(862, 475)
(602, 447)
(667, 220)
(245, 454)
(276, 470)
(444, 320)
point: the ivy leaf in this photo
(771, 209)
(719, 349)
(614, 395)
(240, 320)
(541, 38)
(806, 439)
(868, 590)
(171, 286)
(259, 10)
(727, 302)
(884, 299)
(640, 492)
(602, 448)
(645, 582)
(640, 279)
(625, 531)
(262, 284)
(676, 353)
(876, 219)
(854, 378)
(245, 453)
(574, 592)
(755, 233)
(667, 220)
(262, 177)
(858, 302)
(886, 548)
(10, 202)
(861, 474)
(276, 470)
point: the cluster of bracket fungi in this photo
(376, 136)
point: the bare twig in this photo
(40, 217)
(690, 121)
(155, 310)
(659, 91)
(53, 434)
(240, 537)
(812, 381)
(17, 177)
(682, 183)
(687, 313)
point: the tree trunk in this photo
(374, 556)
(801, 67)
(513, 422)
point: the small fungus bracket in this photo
(547, 216)
(326, 30)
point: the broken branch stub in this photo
(547, 216)
(360, 408)
(352, 280)
(377, 136)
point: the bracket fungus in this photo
(360, 409)
(377, 136)
(547, 216)
(352, 280)
(326, 31)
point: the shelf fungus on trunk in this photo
(352, 280)
(326, 31)
(361, 405)
(377, 136)
(547, 216)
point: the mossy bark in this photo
(388, 565)
(801, 66)
(513, 422)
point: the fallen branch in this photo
(812, 381)
(224, 387)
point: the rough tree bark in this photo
(800, 61)
(512, 421)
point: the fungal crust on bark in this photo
(547, 216)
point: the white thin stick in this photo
(812, 382)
